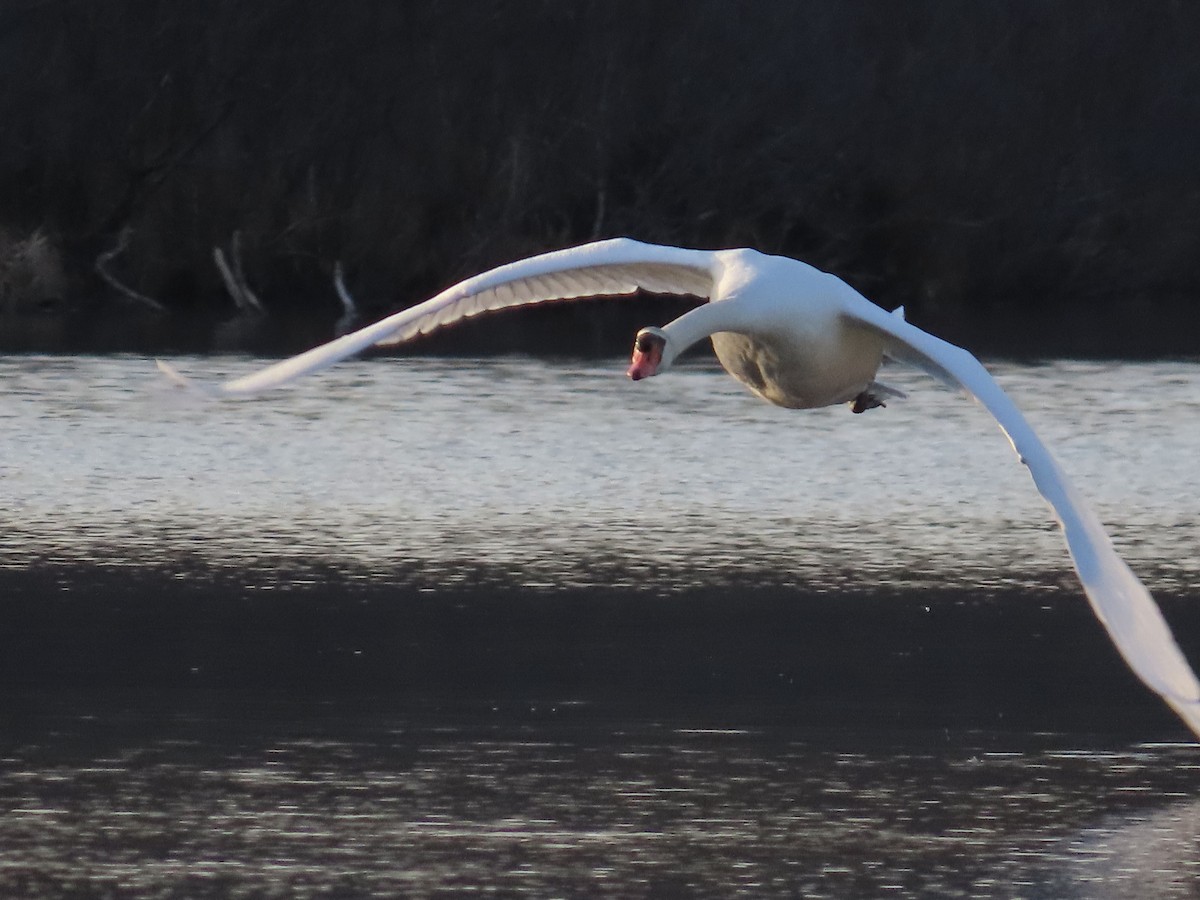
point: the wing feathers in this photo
(597, 281)
(1121, 602)
(606, 268)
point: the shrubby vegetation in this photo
(1022, 176)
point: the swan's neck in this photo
(699, 323)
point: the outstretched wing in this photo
(605, 268)
(1120, 600)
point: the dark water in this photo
(423, 627)
(288, 800)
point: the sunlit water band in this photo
(558, 474)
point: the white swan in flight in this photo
(797, 337)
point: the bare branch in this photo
(350, 316)
(240, 273)
(234, 279)
(230, 282)
(101, 267)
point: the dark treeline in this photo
(1021, 175)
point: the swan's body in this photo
(797, 337)
(803, 361)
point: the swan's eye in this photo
(645, 342)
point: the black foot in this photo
(864, 401)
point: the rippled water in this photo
(568, 473)
(578, 629)
(392, 808)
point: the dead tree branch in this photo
(234, 279)
(101, 267)
(350, 316)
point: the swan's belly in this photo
(802, 376)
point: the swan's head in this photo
(648, 353)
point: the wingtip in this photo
(172, 374)
(1189, 711)
(179, 380)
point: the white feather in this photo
(606, 268)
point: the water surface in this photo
(417, 627)
(567, 473)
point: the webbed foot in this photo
(864, 401)
(873, 396)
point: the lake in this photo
(517, 626)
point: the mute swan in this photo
(797, 337)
